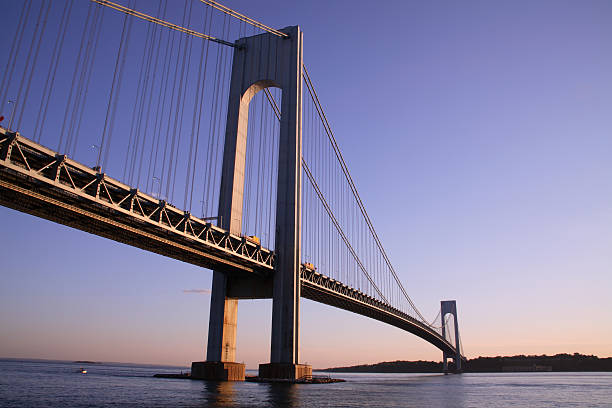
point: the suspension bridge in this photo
(197, 133)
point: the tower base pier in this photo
(217, 371)
(285, 371)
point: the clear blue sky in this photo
(479, 134)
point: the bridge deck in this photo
(323, 289)
(38, 181)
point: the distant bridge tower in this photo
(261, 61)
(450, 306)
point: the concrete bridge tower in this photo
(261, 61)
(450, 306)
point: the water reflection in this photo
(219, 394)
(283, 395)
(232, 394)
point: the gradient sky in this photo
(479, 134)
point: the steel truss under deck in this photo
(41, 182)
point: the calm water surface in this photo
(59, 384)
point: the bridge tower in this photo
(261, 61)
(450, 306)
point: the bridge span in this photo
(46, 184)
(249, 136)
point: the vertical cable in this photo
(145, 106)
(201, 88)
(206, 194)
(131, 147)
(115, 87)
(50, 81)
(160, 109)
(86, 74)
(11, 60)
(178, 115)
(37, 38)
(84, 35)
(157, 40)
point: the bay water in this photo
(61, 384)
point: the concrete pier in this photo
(217, 371)
(287, 371)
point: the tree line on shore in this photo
(556, 363)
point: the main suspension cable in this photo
(167, 24)
(242, 17)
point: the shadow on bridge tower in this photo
(450, 306)
(260, 62)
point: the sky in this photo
(479, 136)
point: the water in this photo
(59, 384)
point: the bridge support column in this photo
(450, 306)
(262, 61)
(284, 353)
(220, 362)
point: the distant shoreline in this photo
(499, 364)
(521, 363)
(51, 360)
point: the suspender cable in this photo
(258, 191)
(83, 88)
(145, 100)
(19, 103)
(178, 114)
(340, 231)
(328, 209)
(349, 179)
(136, 112)
(12, 56)
(189, 49)
(162, 178)
(86, 27)
(115, 87)
(160, 112)
(208, 194)
(157, 40)
(50, 81)
(221, 111)
(199, 94)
